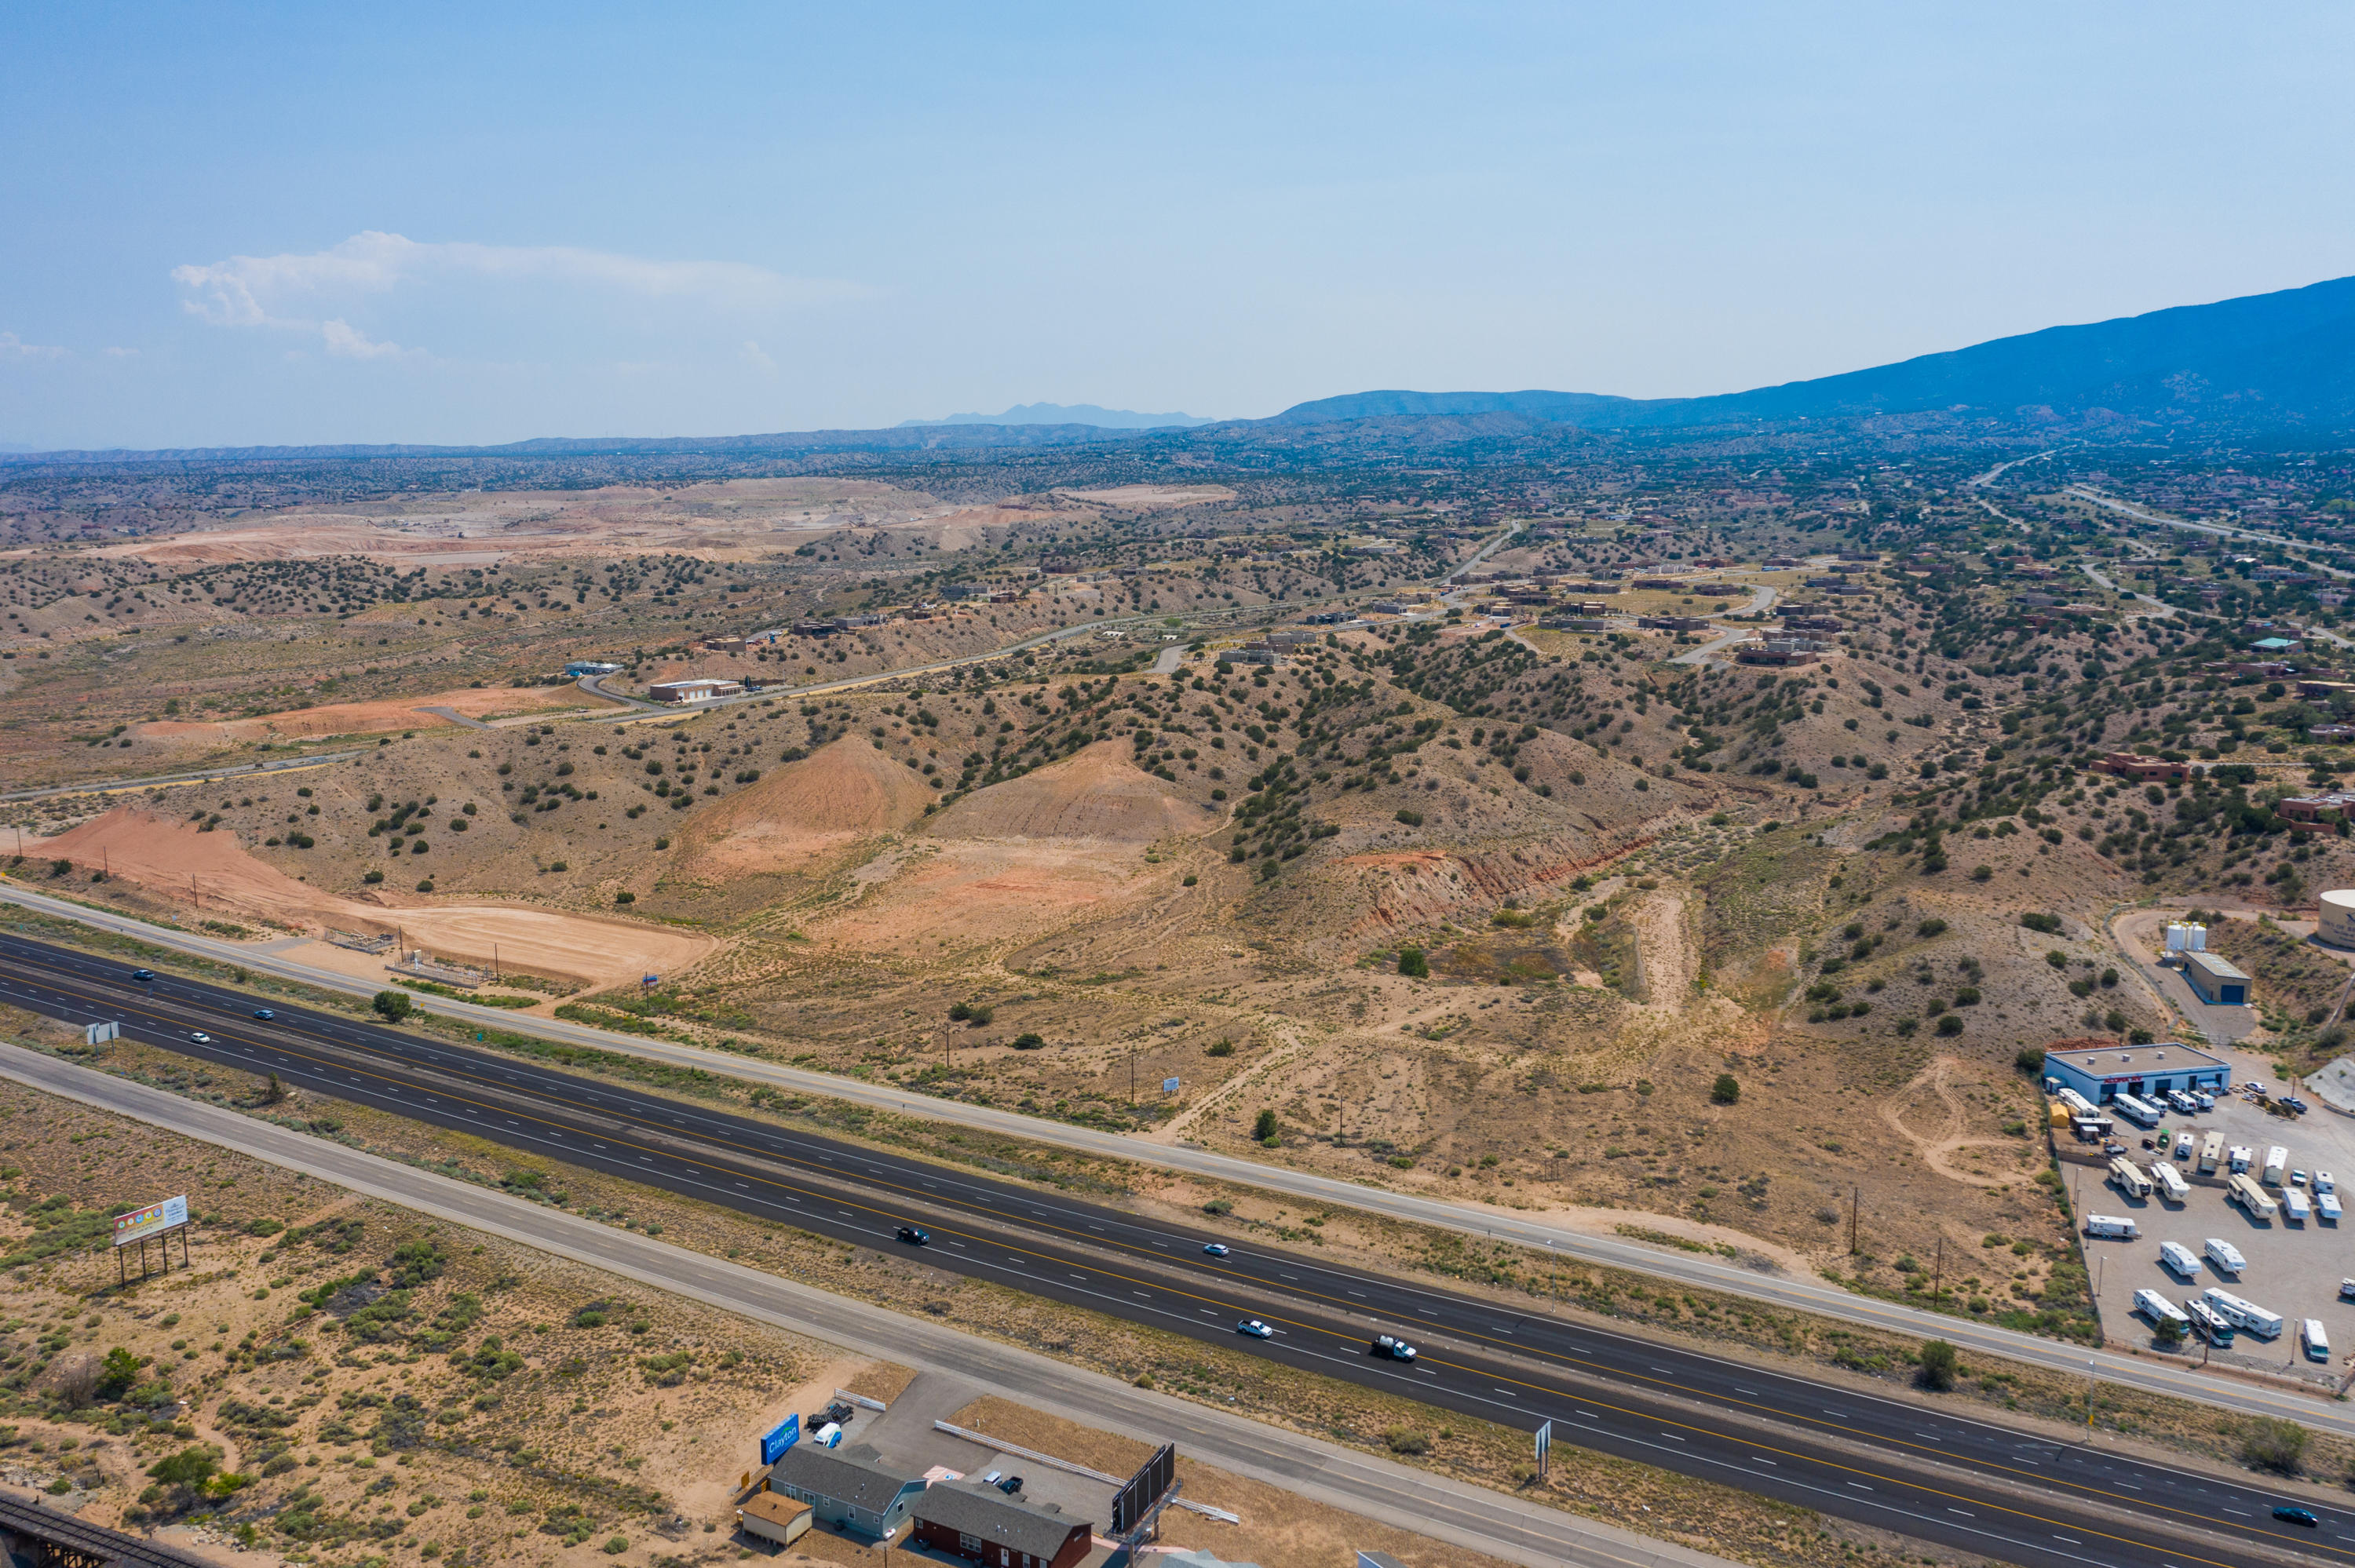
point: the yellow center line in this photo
(1767, 1410)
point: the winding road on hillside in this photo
(194, 776)
(1908, 1465)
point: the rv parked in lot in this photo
(2327, 1206)
(2171, 1185)
(2159, 1308)
(2240, 1158)
(2078, 1106)
(2211, 1153)
(2183, 1103)
(2317, 1343)
(2135, 1110)
(2209, 1324)
(2110, 1225)
(2225, 1256)
(2276, 1166)
(2181, 1259)
(2245, 1192)
(2295, 1208)
(2241, 1314)
(2129, 1177)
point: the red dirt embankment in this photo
(1095, 793)
(212, 873)
(805, 811)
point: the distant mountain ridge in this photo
(2283, 357)
(1070, 413)
(2278, 361)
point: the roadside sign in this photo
(1169, 1085)
(774, 1443)
(1545, 1447)
(141, 1223)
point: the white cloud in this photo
(753, 354)
(15, 347)
(120, 353)
(298, 290)
(345, 341)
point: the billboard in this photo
(774, 1444)
(1135, 1500)
(141, 1223)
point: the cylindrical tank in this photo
(2338, 923)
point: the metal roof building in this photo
(2142, 1071)
(2216, 979)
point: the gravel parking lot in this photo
(2293, 1270)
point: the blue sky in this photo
(246, 225)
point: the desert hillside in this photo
(1432, 895)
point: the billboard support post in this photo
(1137, 1507)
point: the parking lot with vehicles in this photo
(2291, 1269)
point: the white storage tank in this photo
(2337, 926)
(2182, 937)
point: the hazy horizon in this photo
(280, 226)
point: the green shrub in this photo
(392, 1006)
(1263, 1128)
(1412, 818)
(2031, 1060)
(1726, 1091)
(1939, 1366)
(1413, 963)
(2271, 1442)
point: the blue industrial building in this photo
(2142, 1071)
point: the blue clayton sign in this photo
(774, 1444)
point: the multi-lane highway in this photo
(1896, 1463)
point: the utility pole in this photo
(1938, 1271)
(2089, 1396)
(1856, 1197)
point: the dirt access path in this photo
(1176, 1127)
(1938, 1150)
(1665, 964)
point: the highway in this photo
(1708, 1272)
(1952, 1479)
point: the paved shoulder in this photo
(1473, 1518)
